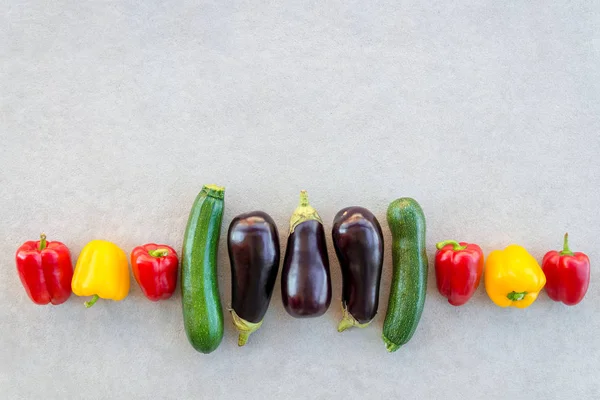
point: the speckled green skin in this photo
(409, 282)
(202, 312)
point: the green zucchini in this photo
(202, 312)
(409, 281)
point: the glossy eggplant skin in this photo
(358, 243)
(305, 279)
(253, 245)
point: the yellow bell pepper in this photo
(102, 271)
(513, 277)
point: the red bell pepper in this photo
(567, 274)
(45, 270)
(155, 270)
(458, 269)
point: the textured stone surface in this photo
(114, 113)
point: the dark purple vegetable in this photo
(305, 281)
(358, 243)
(253, 244)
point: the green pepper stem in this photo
(158, 253)
(455, 245)
(566, 251)
(93, 301)
(516, 296)
(43, 242)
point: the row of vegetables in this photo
(512, 276)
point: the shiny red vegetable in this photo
(155, 270)
(567, 274)
(45, 269)
(458, 269)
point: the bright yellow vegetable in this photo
(513, 277)
(102, 271)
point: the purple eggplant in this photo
(358, 243)
(305, 280)
(253, 245)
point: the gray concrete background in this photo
(114, 113)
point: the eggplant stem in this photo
(244, 327)
(243, 338)
(304, 212)
(348, 320)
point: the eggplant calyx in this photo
(348, 320)
(304, 212)
(389, 345)
(244, 327)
